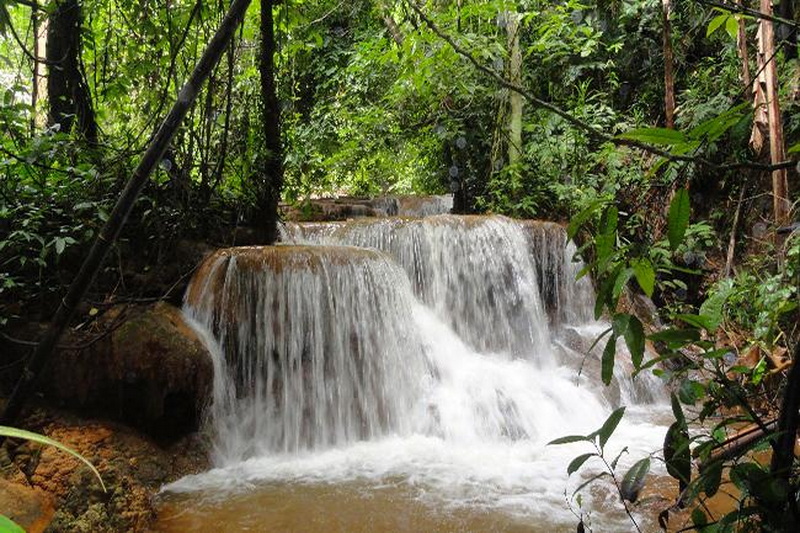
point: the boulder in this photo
(146, 367)
(29, 508)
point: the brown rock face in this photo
(32, 509)
(151, 371)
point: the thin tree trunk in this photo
(741, 50)
(780, 183)
(669, 77)
(39, 88)
(732, 241)
(515, 99)
(122, 209)
(270, 174)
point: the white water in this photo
(447, 363)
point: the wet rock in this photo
(152, 371)
(30, 508)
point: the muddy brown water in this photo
(350, 507)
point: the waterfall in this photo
(420, 348)
(313, 347)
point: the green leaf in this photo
(678, 336)
(607, 369)
(608, 222)
(611, 423)
(676, 452)
(15, 433)
(732, 27)
(712, 308)
(9, 526)
(621, 281)
(711, 477)
(633, 481)
(60, 244)
(716, 23)
(580, 219)
(634, 339)
(678, 218)
(663, 136)
(576, 463)
(677, 410)
(630, 328)
(645, 275)
(697, 321)
(590, 480)
(570, 439)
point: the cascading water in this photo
(439, 355)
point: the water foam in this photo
(446, 358)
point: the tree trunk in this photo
(122, 209)
(39, 88)
(741, 50)
(669, 78)
(68, 95)
(780, 183)
(269, 175)
(515, 99)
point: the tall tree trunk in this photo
(741, 50)
(39, 88)
(94, 260)
(515, 99)
(669, 77)
(269, 175)
(68, 95)
(780, 182)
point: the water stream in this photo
(405, 375)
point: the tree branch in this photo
(735, 8)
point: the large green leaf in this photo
(8, 526)
(570, 439)
(645, 275)
(664, 136)
(607, 363)
(611, 423)
(678, 218)
(676, 452)
(633, 481)
(712, 308)
(630, 328)
(676, 336)
(15, 433)
(580, 219)
(576, 463)
(716, 23)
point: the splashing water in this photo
(436, 356)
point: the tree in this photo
(269, 174)
(70, 102)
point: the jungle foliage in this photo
(373, 100)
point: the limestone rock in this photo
(152, 371)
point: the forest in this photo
(633, 162)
